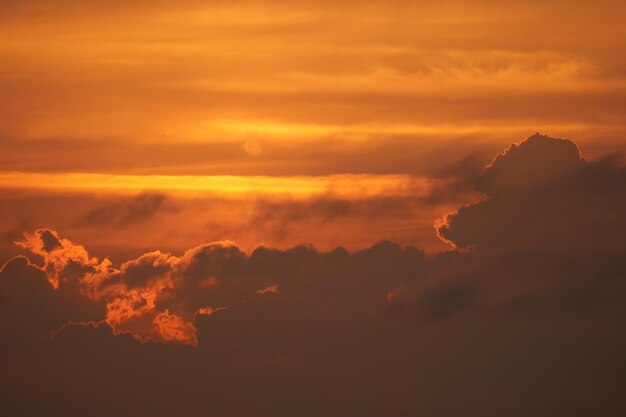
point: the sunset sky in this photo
(350, 208)
(290, 101)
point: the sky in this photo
(345, 208)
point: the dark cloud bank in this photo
(523, 317)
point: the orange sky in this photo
(167, 95)
(279, 208)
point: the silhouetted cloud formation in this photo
(548, 235)
(527, 304)
(154, 297)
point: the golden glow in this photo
(270, 129)
(234, 102)
(191, 72)
(354, 185)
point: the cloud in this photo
(157, 296)
(542, 193)
(31, 308)
(528, 303)
(512, 252)
(63, 260)
(547, 237)
(538, 159)
(139, 208)
(154, 297)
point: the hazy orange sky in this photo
(222, 98)
(301, 88)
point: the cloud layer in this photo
(156, 296)
(527, 303)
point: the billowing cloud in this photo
(547, 237)
(63, 260)
(156, 296)
(542, 193)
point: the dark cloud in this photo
(539, 159)
(157, 296)
(50, 240)
(282, 218)
(524, 316)
(547, 238)
(541, 193)
(457, 180)
(139, 208)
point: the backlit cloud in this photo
(156, 296)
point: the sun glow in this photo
(341, 184)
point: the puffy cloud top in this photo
(536, 160)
